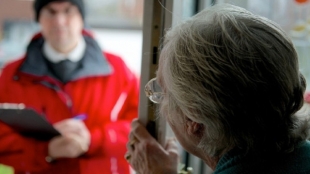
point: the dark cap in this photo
(39, 4)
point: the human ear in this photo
(193, 128)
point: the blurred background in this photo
(117, 26)
(293, 16)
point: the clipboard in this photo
(27, 122)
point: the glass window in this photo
(115, 13)
(116, 24)
(293, 16)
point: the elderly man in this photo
(229, 88)
(89, 96)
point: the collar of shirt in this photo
(75, 55)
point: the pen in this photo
(80, 117)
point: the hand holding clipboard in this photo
(26, 121)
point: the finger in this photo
(57, 140)
(74, 138)
(172, 146)
(69, 126)
(131, 145)
(131, 136)
(140, 132)
(127, 156)
(62, 125)
(69, 122)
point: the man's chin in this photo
(61, 42)
(60, 46)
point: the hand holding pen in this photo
(73, 125)
(80, 117)
(74, 135)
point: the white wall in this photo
(125, 43)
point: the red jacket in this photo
(106, 91)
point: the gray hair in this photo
(237, 74)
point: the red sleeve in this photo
(22, 153)
(114, 135)
(118, 131)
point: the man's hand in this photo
(74, 141)
(146, 155)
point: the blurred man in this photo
(90, 97)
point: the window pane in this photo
(116, 24)
(293, 16)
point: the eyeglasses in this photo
(153, 91)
